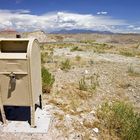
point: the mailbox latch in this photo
(12, 82)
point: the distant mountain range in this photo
(78, 31)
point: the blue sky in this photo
(50, 15)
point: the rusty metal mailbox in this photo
(20, 74)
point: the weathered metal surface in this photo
(20, 74)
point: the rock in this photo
(92, 112)
(94, 138)
(86, 71)
(79, 109)
(68, 118)
(96, 130)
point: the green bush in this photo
(88, 41)
(47, 80)
(76, 48)
(127, 53)
(65, 65)
(120, 120)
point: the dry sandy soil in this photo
(115, 69)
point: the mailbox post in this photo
(20, 74)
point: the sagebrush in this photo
(119, 119)
(65, 65)
(47, 80)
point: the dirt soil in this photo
(74, 110)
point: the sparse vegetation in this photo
(78, 92)
(130, 52)
(132, 72)
(78, 58)
(118, 119)
(99, 47)
(124, 85)
(47, 80)
(65, 65)
(89, 84)
(76, 48)
(88, 41)
(127, 53)
(82, 84)
(76, 99)
(94, 82)
(43, 57)
(57, 45)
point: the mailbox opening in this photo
(13, 46)
(17, 113)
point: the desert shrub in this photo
(127, 53)
(94, 82)
(132, 72)
(43, 57)
(50, 57)
(78, 58)
(83, 84)
(42, 47)
(91, 62)
(89, 84)
(100, 47)
(47, 80)
(120, 120)
(103, 45)
(137, 46)
(88, 41)
(65, 65)
(76, 48)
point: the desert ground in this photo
(89, 76)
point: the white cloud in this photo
(137, 28)
(23, 20)
(131, 26)
(102, 13)
(19, 11)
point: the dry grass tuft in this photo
(65, 65)
(89, 83)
